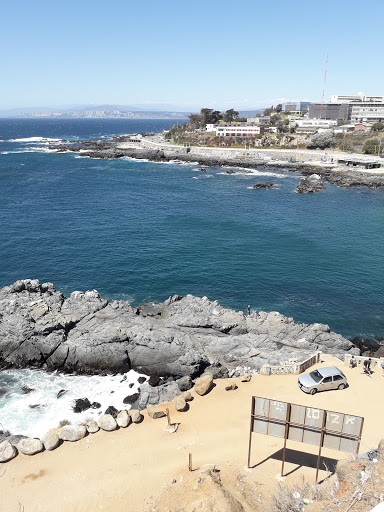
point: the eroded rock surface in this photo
(183, 336)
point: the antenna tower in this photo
(324, 84)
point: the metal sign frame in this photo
(314, 426)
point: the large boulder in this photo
(92, 426)
(204, 384)
(310, 184)
(155, 412)
(180, 404)
(7, 451)
(29, 446)
(107, 422)
(50, 441)
(72, 432)
(135, 415)
(123, 419)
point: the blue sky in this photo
(219, 54)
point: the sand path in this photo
(128, 469)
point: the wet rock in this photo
(7, 451)
(26, 389)
(95, 405)
(107, 422)
(112, 411)
(310, 184)
(267, 184)
(61, 393)
(50, 441)
(29, 446)
(131, 399)
(154, 381)
(141, 380)
(72, 432)
(81, 404)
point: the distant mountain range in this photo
(106, 111)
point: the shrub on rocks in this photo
(7, 451)
(92, 426)
(135, 415)
(204, 384)
(123, 419)
(107, 422)
(50, 441)
(29, 446)
(72, 432)
(155, 412)
(180, 404)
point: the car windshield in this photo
(316, 376)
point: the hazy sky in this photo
(243, 53)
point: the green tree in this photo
(322, 140)
(371, 146)
(268, 111)
(377, 127)
(279, 107)
(230, 115)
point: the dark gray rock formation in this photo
(310, 184)
(83, 333)
(267, 184)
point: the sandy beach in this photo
(133, 468)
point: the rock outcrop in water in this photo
(310, 184)
(84, 333)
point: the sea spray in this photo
(34, 401)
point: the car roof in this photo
(329, 370)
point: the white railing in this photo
(292, 366)
(359, 360)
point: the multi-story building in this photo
(238, 130)
(313, 125)
(262, 120)
(356, 108)
(295, 106)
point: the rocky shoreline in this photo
(116, 148)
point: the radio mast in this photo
(324, 84)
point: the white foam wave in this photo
(35, 139)
(253, 172)
(33, 414)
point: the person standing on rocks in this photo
(249, 310)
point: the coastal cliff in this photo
(183, 336)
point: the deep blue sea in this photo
(143, 231)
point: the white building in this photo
(359, 97)
(314, 125)
(238, 130)
(262, 120)
(371, 112)
(210, 128)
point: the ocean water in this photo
(35, 412)
(142, 231)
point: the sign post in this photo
(309, 425)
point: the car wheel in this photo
(341, 386)
(313, 391)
